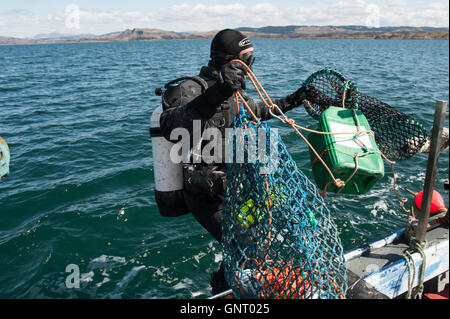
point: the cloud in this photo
(435, 14)
(357, 12)
(206, 17)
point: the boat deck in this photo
(379, 271)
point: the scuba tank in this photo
(169, 175)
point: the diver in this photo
(209, 98)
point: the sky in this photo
(26, 18)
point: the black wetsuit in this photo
(203, 184)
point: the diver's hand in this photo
(295, 99)
(232, 77)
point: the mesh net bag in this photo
(399, 136)
(278, 238)
(325, 88)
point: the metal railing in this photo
(433, 156)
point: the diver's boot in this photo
(218, 282)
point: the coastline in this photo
(329, 32)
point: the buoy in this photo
(437, 202)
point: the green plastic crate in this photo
(338, 152)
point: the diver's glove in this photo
(285, 104)
(232, 78)
(206, 180)
(295, 99)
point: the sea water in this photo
(79, 202)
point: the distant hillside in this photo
(293, 29)
(9, 40)
(141, 34)
(269, 32)
(56, 35)
(348, 32)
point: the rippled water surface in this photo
(80, 190)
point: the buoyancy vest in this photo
(168, 175)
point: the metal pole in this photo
(436, 139)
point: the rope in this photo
(291, 122)
(269, 104)
(343, 95)
(407, 256)
(418, 247)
